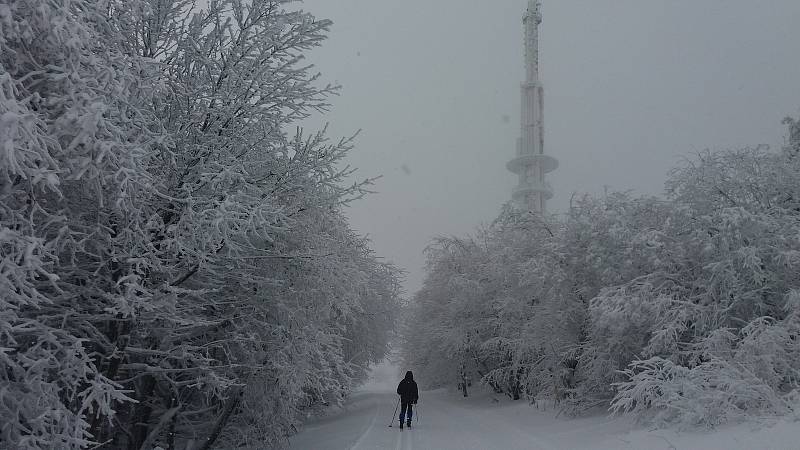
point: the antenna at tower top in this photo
(531, 21)
(534, 10)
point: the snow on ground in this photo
(446, 420)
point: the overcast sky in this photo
(631, 86)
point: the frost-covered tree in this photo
(447, 313)
(470, 318)
(78, 137)
(681, 309)
(722, 338)
(176, 269)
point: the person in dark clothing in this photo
(407, 390)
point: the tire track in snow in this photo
(412, 441)
(444, 427)
(470, 428)
(399, 442)
(371, 426)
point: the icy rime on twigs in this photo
(680, 309)
(175, 270)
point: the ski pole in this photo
(395, 412)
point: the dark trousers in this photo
(406, 406)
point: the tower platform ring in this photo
(521, 162)
(522, 191)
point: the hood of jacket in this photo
(409, 376)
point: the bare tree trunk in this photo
(141, 413)
(119, 334)
(464, 383)
(167, 418)
(517, 387)
(227, 410)
(171, 433)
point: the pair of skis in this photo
(395, 415)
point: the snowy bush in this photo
(723, 314)
(713, 392)
(680, 309)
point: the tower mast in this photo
(530, 163)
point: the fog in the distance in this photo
(630, 87)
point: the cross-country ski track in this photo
(441, 422)
(444, 420)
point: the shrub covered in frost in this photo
(680, 309)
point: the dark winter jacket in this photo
(407, 389)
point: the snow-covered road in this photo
(447, 421)
(441, 422)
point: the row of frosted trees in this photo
(680, 309)
(175, 268)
